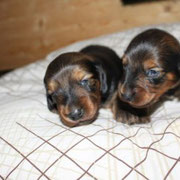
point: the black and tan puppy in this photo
(79, 83)
(151, 69)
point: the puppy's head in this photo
(151, 68)
(73, 88)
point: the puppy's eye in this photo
(153, 73)
(84, 82)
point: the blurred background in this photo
(30, 29)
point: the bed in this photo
(34, 144)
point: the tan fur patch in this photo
(52, 86)
(79, 74)
(124, 60)
(150, 63)
(171, 76)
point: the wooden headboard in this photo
(30, 29)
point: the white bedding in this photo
(34, 144)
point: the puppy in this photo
(79, 83)
(151, 65)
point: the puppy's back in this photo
(106, 57)
(102, 52)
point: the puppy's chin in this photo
(143, 104)
(83, 121)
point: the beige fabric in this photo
(35, 145)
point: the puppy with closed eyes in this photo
(79, 83)
(151, 70)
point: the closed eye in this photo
(88, 84)
(84, 82)
(153, 73)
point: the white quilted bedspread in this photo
(34, 144)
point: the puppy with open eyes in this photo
(79, 83)
(151, 70)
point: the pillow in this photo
(34, 144)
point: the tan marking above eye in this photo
(80, 74)
(149, 64)
(157, 69)
(52, 86)
(124, 60)
(87, 76)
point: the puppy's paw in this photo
(126, 114)
(130, 119)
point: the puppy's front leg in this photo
(125, 113)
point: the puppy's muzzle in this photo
(127, 93)
(76, 114)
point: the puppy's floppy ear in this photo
(102, 78)
(50, 102)
(52, 106)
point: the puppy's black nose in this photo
(128, 96)
(76, 114)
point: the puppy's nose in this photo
(128, 96)
(76, 114)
